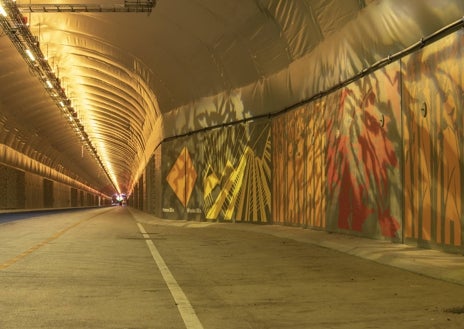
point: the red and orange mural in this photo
(363, 150)
(336, 160)
(381, 157)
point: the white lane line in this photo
(185, 308)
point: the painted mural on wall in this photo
(236, 179)
(434, 142)
(381, 157)
(363, 169)
(182, 177)
(298, 160)
(336, 160)
(222, 174)
(180, 172)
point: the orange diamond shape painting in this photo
(182, 177)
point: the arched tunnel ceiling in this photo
(136, 78)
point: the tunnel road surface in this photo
(120, 268)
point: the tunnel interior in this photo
(345, 116)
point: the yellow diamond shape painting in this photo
(182, 177)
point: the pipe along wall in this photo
(381, 157)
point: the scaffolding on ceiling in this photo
(129, 6)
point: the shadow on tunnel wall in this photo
(381, 158)
(433, 122)
(363, 151)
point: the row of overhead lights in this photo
(15, 26)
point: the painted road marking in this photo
(185, 308)
(39, 245)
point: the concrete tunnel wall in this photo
(27, 184)
(21, 190)
(381, 157)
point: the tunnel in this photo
(343, 116)
(231, 164)
(340, 116)
(330, 117)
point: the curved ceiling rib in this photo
(136, 79)
(44, 136)
(108, 88)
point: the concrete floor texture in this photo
(121, 268)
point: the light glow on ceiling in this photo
(30, 54)
(3, 12)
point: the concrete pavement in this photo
(432, 263)
(121, 268)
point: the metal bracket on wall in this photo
(424, 109)
(382, 120)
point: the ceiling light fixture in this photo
(30, 55)
(129, 6)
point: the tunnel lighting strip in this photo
(137, 6)
(14, 26)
